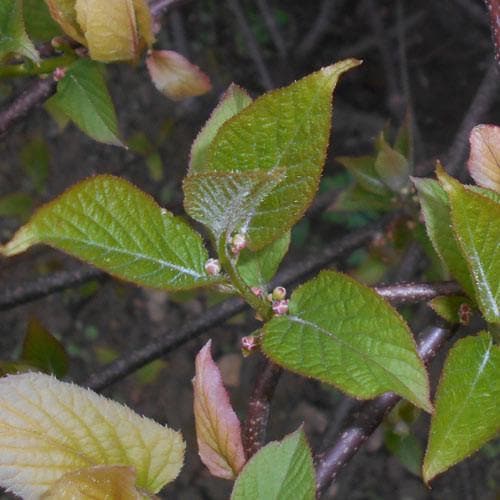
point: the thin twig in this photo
(320, 26)
(251, 43)
(382, 41)
(369, 416)
(486, 94)
(31, 98)
(46, 285)
(254, 430)
(369, 42)
(272, 27)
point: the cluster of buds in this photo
(249, 344)
(278, 300)
(238, 242)
(212, 267)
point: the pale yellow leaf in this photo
(109, 28)
(50, 428)
(144, 22)
(63, 11)
(109, 482)
(174, 76)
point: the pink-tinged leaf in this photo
(174, 76)
(484, 159)
(218, 429)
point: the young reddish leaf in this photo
(467, 404)
(281, 470)
(231, 103)
(342, 333)
(218, 429)
(82, 95)
(50, 428)
(43, 350)
(288, 129)
(111, 224)
(484, 159)
(174, 76)
(476, 223)
(102, 481)
(13, 37)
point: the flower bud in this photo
(249, 344)
(212, 267)
(257, 291)
(280, 307)
(279, 293)
(238, 243)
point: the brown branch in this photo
(272, 28)
(493, 7)
(254, 429)
(319, 28)
(369, 416)
(46, 285)
(251, 43)
(30, 99)
(405, 293)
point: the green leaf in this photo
(50, 428)
(342, 333)
(455, 309)
(392, 166)
(111, 224)
(476, 222)
(35, 157)
(225, 201)
(357, 199)
(362, 168)
(258, 268)
(82, 95)
(467, 404)
(13, 37)
(43, 350)
(407, 449)
(15, 204)
(15, 367)
(436, 210)
(280, 470)
(285, 129)
(231, 103)
(39, 23)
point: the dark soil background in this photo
(429, 55)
